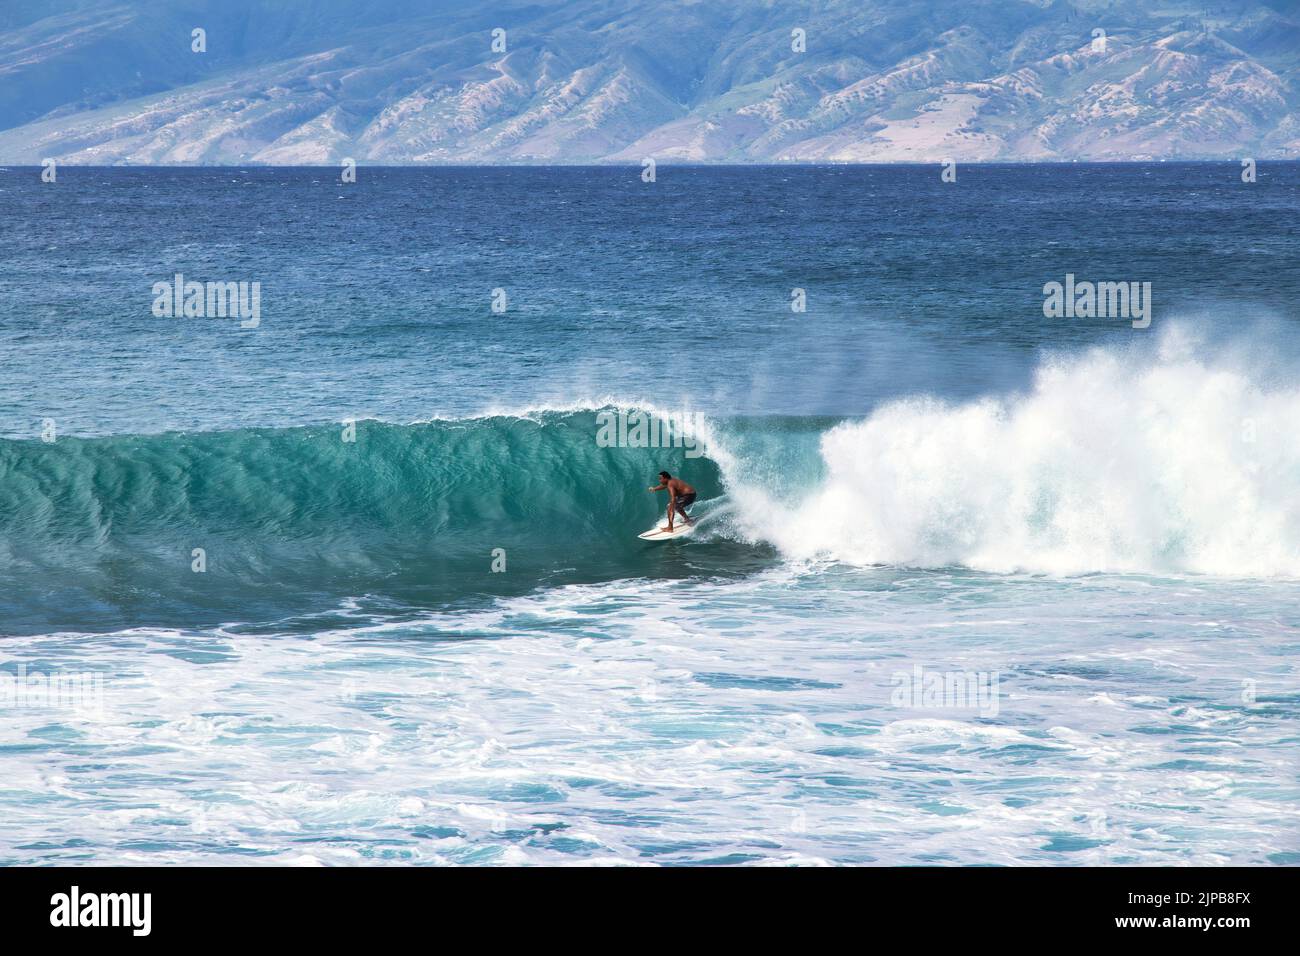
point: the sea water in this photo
(359, 582)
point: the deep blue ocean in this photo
(357, 579)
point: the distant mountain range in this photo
(582, 81)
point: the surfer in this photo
(680, 497)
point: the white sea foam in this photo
(681, 721)
(1112, 462)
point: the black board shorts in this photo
(685, 501)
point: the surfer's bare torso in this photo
(680, 496)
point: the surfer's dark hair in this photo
(664, 474)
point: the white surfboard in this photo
(680, 529)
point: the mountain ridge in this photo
(613, 81)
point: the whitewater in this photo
(1114, 461)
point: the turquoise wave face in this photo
(253, 525)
